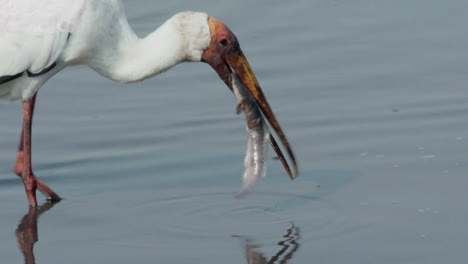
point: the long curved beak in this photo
(225, 56)
(239, 64)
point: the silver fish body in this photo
(258, 137)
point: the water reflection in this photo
(27, 233)
(289, 246)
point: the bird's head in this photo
(226, 57)
(211, 41)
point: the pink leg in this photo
(23, 159)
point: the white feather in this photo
(35, 34)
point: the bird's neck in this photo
(136, 58)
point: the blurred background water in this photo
(372, 95)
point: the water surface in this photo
(372, 95)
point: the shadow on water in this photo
(289, 246)
(27, 232)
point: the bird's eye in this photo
(223, 42)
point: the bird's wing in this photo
(34, 33)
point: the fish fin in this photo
(241, 106)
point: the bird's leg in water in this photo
(23, 158)
(30, 183)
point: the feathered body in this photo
(35, 35)
(40, 38)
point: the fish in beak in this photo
(226, 57)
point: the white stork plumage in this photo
(40, 38)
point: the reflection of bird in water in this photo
(289, 246)
(27, 231)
